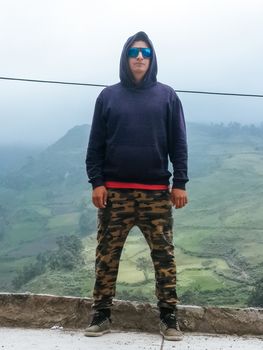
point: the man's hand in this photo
(99, 197)
(178, 198)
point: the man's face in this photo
(139, 65)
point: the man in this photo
(137, 124)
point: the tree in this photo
(256, 297)
(87, 222)
(144, 265)
(191, 296)
(84, 223)
(2, 229)
(28, 272)
(3, 221)
(68, 255)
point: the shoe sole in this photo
(96, 334)
(171, 337)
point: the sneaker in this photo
(99, 325)
(169, 327)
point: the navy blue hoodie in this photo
(136, 129)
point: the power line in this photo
(219, 93)
(51, 82)
(103, 85)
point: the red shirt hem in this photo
(131, 185)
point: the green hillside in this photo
(218, 236)
(13, 157)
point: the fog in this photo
(201, 45)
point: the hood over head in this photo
(126, 76)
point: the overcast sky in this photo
(211, 45)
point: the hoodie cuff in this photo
(97, 182)
(179, 184)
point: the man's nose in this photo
(140, 56)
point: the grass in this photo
(24, 232)
(64, 283)
(193, 271)
(62, 220)
(205, 279)
(218, 236)
(8, 270)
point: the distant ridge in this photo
(218, 236)
(77, 137)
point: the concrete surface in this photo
(58, 339)
(43, 311)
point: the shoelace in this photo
(171, 321)
(98, 319)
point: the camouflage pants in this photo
(151, 211)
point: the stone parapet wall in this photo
(46, 311)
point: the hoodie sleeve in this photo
(96, 147)
(177, 144)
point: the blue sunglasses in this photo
(134, 52)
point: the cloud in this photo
(204, 45)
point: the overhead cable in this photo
(103, 85)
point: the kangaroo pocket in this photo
(133, 162)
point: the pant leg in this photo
(154, 218)
(114, 224)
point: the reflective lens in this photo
(134, 52)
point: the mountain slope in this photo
(218, 236)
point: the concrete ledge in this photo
(45, 311)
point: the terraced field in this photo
(218, 237)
